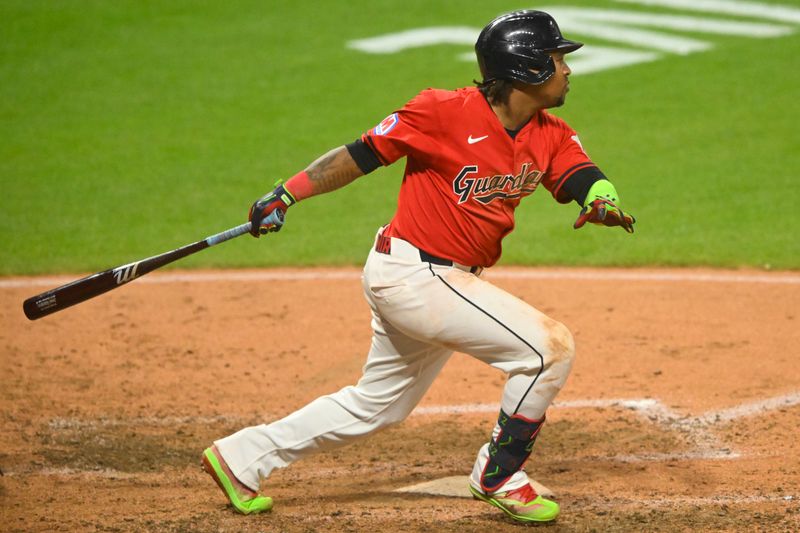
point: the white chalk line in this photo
(749, 409)
(571, 404)
(494, 273)
(105, 473)
(78, 423)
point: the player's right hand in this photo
(601, 207)
(262, 223)
(605, 212)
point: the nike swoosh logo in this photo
(474, 140)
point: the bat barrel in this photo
(68, 295)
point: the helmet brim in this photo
(566, 46)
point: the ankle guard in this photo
(510, 450)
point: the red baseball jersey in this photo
(465, 175)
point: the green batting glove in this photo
(601, 206)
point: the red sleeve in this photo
(569, 158)
(404, 132)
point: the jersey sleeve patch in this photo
(386, 125)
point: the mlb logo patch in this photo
(386, 125)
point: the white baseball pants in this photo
(421, 313)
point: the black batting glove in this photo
(267, 214)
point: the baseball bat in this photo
(78, 291)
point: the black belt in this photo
(428, 258)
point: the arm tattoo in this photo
(333, 170)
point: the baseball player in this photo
(472, 155)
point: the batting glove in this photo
(601, 207)
(276, 202)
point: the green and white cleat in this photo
(243, 499)
(523, 504)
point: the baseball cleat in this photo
(523, 504)
(243, 499)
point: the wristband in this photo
(602, 189)
(299, 186)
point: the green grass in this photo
(130, 128)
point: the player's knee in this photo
(560, 345)
(553, 350)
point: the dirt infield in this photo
(681, 413)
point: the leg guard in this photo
(509, 451)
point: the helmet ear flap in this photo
(544, 72)
(534, 67)
(537, 69)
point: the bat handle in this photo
(276, 217)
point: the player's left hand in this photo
(278, 200)
(602, 207)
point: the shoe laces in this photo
(524, 494)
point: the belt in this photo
(404, 249)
